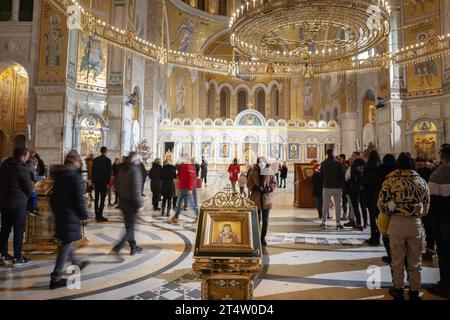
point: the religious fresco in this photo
(53, 45)
(415, 8)
(294, 151)
(14, 86)
(311, 151)
(275, 150)
(181, 95)
(224, 150)
(207, 150)
(91, 135)
(250, 120)
(425, 139)
(183, 36)
(92, 61)
(186, 149)
(424, 75)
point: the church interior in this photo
(218, 80)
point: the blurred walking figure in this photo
(115, 172)
(405, 197)
(168, 175)
(155, 183)
(101, 175)
(15, 188)
(186, 184)
(144, 175)
(129, 187)
(69, 210)
(317, 188)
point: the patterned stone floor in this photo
(301, 261)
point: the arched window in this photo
(26, 10)
(242, 100)
(5, 10)
(261, 101)
(224, 103)
(275, 103)
(212, 102)
(223, 10)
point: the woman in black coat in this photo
(370, 172)
(68, 207)
(356, 169)
(155, 182)
(168, 174)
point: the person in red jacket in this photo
(186, 184)
(234, 169)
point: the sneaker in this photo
(135, 250)
(415, 295)
(339, 226)
(21, 262)
(101, 219)
(397, 294)
(351, 223)
(7, 260)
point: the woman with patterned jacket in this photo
(405, 197)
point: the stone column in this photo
(348, 121)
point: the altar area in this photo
(246, 137)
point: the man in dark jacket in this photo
(204, 171)
(15, 188)
(332, 174)
(101, 175)
(129, 184)
(69, 210)
(155, 183)
(439, 185)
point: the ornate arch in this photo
(250, 118)
(260, 86)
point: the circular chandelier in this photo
(308, 32)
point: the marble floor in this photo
(301, 260)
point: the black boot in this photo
(168, 211)
(397, 294)
(163, 210)
(57, 282)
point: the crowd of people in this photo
(413, 195)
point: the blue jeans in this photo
(189, 196)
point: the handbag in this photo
(199, 183)
(383, 223)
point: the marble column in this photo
(348, 121)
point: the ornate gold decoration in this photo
(330, 57)
(224, 200)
